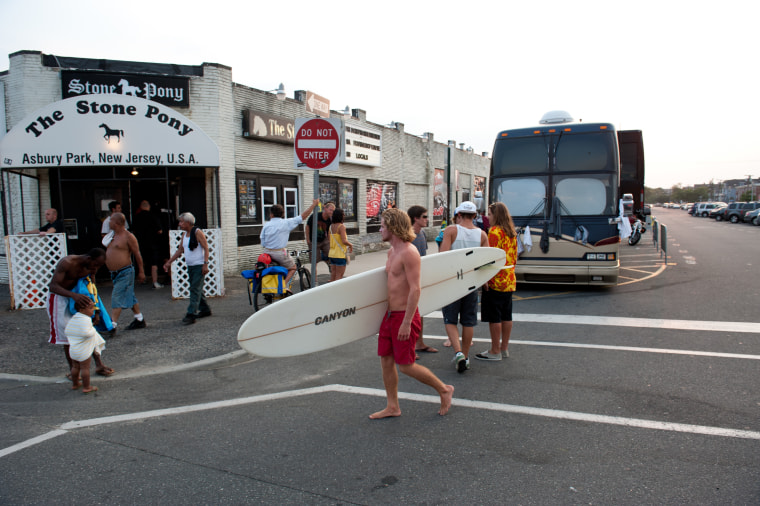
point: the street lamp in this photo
(280, 92)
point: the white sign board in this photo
(110, 130)
(363, 145)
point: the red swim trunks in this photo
(388, 343)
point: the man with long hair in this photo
(401, 325)
(496, 302)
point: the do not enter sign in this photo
(317, 143)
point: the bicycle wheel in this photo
(261, 299)
(304, 278)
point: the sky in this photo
(685, 73)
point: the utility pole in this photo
(751, 188)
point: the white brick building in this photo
(252, 130)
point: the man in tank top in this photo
(195, 248)
(465, 234)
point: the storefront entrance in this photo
(83, 195)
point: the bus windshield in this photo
(523, 196)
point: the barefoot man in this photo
(68, 271)
(401, 325)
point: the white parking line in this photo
(622, 321)
(664, 351)
(431, 399)
(31, 442)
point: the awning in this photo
(110, 130)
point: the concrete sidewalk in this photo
(165, 343)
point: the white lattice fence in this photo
(31, 263)
(213, 286)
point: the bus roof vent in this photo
(556, 117)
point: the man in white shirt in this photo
(276, 233)
(113, 207)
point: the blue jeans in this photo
(197, 299)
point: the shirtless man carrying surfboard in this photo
(401, 325)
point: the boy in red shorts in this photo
(401, 325)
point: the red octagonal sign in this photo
(317, 144)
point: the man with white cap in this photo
(465, 234)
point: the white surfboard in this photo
(353, 308)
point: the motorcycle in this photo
(637, 228)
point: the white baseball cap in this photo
(467, 207)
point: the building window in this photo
(268, 199)
(340, 191)
(256, 194)
(291, 202)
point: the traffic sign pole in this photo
(318, 209)
(317, 146)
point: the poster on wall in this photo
(247, 199)
(328, 192)
(440, 202)
(480, 193)
(381, 195)
(347, 200)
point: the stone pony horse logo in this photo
(110, 132)
(127, 89)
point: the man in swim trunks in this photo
(400, 328)
(67, 273)
(119, 261)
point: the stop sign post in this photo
(317, 143)
(317, 146)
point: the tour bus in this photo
(561, 180)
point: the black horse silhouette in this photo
(111, 133)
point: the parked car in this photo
(753, 217)
(736, 210)
(718, 213)
(704, 208)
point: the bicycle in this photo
(264, 299)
